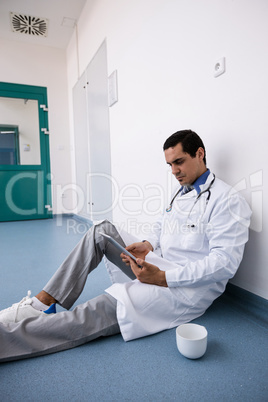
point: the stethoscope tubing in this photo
(169, 208)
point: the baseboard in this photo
(77, 217)
(83, 219)
(249, 303)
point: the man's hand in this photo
(139, 250)
(148, 273)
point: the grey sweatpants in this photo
(56, 332)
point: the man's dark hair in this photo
(189, 140)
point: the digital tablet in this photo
(118, 246)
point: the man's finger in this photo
(134, 266)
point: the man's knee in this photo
(108, 228)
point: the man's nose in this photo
(175, 169)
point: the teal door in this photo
(25, 186)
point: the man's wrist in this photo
(162, 279)
(149, 244)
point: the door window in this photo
(19, 132)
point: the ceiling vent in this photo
(26, 24)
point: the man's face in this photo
(185, 168)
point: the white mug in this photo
(191, 340)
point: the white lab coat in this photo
(198, 260)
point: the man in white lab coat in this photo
(196, 247)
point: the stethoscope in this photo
(169, 208)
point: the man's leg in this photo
(69, 280)
(34, 336)
(37, 336)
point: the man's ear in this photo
(200, 153)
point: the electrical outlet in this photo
(219, 67)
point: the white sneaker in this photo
(19, 311)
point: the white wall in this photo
(45, 66)
(165, 52)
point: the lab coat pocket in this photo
(193, 239)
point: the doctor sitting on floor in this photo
(180, 269)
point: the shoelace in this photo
(26, 300)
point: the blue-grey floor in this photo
(235, 366)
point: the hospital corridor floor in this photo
(234, 366)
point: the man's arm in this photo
(139, 250)
(148, 273)
(154, 236)
(227, 234)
